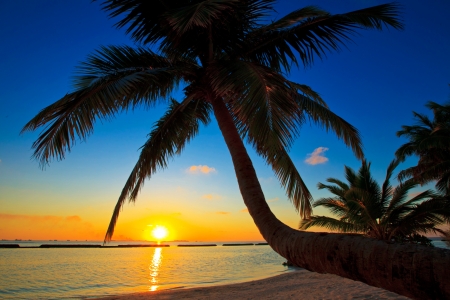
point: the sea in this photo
(67, 273)
(83, 273)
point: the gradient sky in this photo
(375, 84)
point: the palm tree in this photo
(430, 141)
(231, 65)
(383, 212)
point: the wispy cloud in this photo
(200, 169)
(273, 199)
(245, 210)
(211, 197)
(222, 212)
(317, 157)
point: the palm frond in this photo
(338, 190)
(289, 178)
(336, 206)
(146, 20)
(169, 137)
(429, 139)
(114, 62)
(116, 79)
(425, 217)
(324, 117)
(400, 197)
(338, 182)
(264, 105)
(314, 34)
(386, 188)
(331, 224)
(269, 112)
(198, 15)
(293, 18)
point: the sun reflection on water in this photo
(154, 268)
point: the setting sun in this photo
(160, 232)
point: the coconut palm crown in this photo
(384, 212)
(430, 141)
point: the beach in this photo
(300, 284)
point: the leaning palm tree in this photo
(232, 65)
(430, 141)
(383, 212)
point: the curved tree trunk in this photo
(414, 271)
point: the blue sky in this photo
(374, 83)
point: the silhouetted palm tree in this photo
(430, 141)
(232, 64)
(383, 212)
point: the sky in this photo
(375, 83)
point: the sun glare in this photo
(160, 232)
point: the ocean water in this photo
(67, 273)
(52, 273)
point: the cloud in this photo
(273, 199)
(211, 197)
(200, 169)
(317, 157)
(245, 210)
(222, 213)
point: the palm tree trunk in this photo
(414, 271)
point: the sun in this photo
(160, 232)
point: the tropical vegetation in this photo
(385, 212)
(232, 65)
(429, 140)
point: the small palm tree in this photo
(430, 141)
(383, 212)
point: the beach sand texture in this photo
(300, 284)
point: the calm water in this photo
(82, 273)
(76, 273)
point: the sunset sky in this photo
(375, 84)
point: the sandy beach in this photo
(300, 284)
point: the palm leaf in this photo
(324, 117)
(425, 217)
(338, 190)
(269, 113)
(115, 79)
(314, 34)
(336, 206)
(201, 14)
(169, 136)
(331, 224)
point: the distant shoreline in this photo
(300, 284)
(77, 245)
